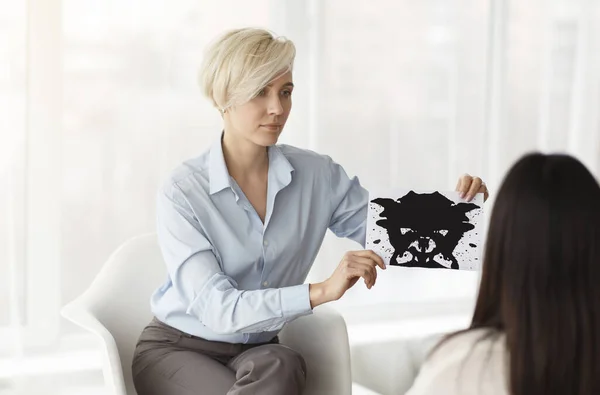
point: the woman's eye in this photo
(286, 93)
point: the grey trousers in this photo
(168, 361)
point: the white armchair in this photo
(390, 367)
(116, 308)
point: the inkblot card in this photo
(435, 230)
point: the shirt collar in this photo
(217, 172)
(280, 168)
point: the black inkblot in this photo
(421, 226)
(472, 245)
(376, 241)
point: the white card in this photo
(426, 229)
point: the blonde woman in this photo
(239, 228)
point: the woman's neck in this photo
(244, 159)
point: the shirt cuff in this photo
(295, 301)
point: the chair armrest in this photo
(322, 339)
(78, 313)
(391, 366)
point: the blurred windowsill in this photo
(51, 364)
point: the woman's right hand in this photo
(353, 266)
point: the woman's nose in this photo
(275, 106)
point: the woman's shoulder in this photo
(469, 342)
(194, 166)
(302, 154)
(189, 177)
(309, 161)
(471, 362)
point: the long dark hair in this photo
(540, 283)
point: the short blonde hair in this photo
(241, 62)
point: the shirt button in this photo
(265, 242)
(265, 283)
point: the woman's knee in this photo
(285, 359)
(183, 372)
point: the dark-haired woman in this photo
(536, 326)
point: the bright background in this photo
(99, 101)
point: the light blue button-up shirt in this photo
(232, 278)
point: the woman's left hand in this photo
(468, 186)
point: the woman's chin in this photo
(269, 138)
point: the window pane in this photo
(12, 132)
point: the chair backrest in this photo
(119, 296)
